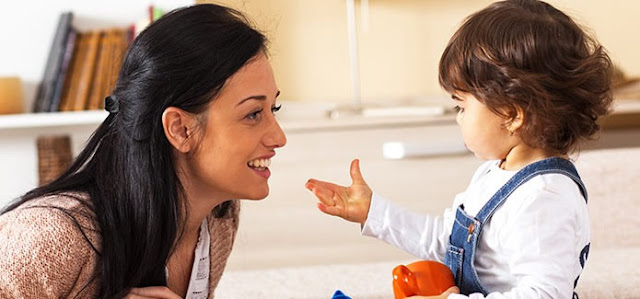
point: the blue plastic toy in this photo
(340, 295)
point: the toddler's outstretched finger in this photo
(321, 192)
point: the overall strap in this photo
(549, 165)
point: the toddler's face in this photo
(484, 132)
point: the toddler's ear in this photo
(178, 125)
(517, 121)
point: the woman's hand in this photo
(451, 290)
(152, 293)
(350, 203)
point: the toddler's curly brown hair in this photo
(528, 54)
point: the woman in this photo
(149, 207)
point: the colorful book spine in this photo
(48, 83)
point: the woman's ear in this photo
(177, 125)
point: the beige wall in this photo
(400, 51)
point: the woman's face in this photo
(239, 138)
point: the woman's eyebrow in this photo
(256, 97)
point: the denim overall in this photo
(466, 229)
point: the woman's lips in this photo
(261, 166)
(262, 171)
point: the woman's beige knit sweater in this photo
(43, 253)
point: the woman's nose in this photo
(275, 137)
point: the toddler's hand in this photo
(351, 203)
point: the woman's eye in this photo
(275, 109)
(458, 109)
(254, 115)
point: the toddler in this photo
(529, 85)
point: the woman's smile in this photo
(261, 165)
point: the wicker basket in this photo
(54, 157)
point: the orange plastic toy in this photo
(422, 278)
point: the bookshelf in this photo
(28, 44)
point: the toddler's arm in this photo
(421, 235)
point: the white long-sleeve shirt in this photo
(529, 248)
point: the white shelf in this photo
(51, 119)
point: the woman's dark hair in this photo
(181, 60)
(528, 54)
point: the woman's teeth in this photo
(260, 163)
